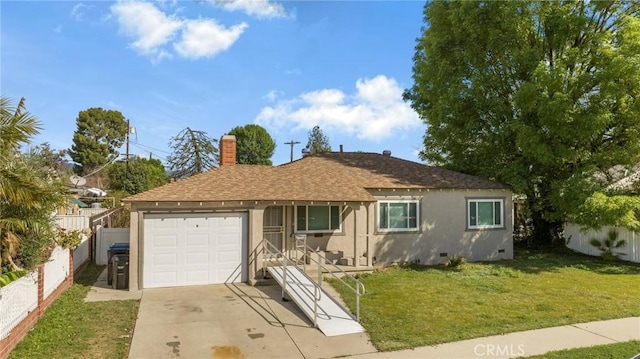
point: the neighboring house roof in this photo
(628, 180)
(78, 202)
(96, 191)
(333, 176)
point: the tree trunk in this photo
(546, 231)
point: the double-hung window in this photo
(398, 216)
(318, 219)
(485, 213)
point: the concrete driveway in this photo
(231, 321)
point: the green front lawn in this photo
(72, 328)
(610, 351)
(414, 306)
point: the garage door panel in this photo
(228, 259)
(164, 259)
(164, 279)
(166, 223)
(225, 239)
(197, 240)
(197, 258)
(164, 241)
(197, 223)
(193, 249)
(228, 223)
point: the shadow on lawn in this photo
(536, 261)
(89, 275)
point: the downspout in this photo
(356, 257)
(369, 261)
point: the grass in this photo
(412, 306)
(609, 351)
(71, 328)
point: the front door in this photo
(273, 227)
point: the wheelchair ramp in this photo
(333, 320)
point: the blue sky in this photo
(214, 65)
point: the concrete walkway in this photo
(101, 291)
(527, 343)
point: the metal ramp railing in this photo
(290, 272)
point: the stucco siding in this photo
(443, 230)
(340, 244)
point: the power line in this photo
(105, 165)
(151, 148)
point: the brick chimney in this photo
(228, 150)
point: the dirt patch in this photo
(227, 352)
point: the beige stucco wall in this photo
(352, 237)
(443, 229)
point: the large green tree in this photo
(192, 152)
(254, 145)
(542, 95)
(29, 191)
(98, 136)
(139, 175)
(318, 142)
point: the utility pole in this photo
(292, 143)
(126, 161)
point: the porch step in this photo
(333, 319)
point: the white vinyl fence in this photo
(81, 253)
(106, 237)
(72, 223)
(579, 241)
(16, 301)
(89, 212)
(56, 269)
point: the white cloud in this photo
(205, 38)
(258, 8)
(151, 27)
(77, 12)
(167, 3)
(273, 95)
(153, 31)
(374, 112)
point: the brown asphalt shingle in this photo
(334, 176)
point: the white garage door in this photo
(193, 249)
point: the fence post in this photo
(71, 270)
(40, 269)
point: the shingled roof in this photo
(333, 176)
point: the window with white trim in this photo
(311, 219)
(398, 216)
(485, 213)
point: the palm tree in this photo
(607, 246)
(27, 194)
